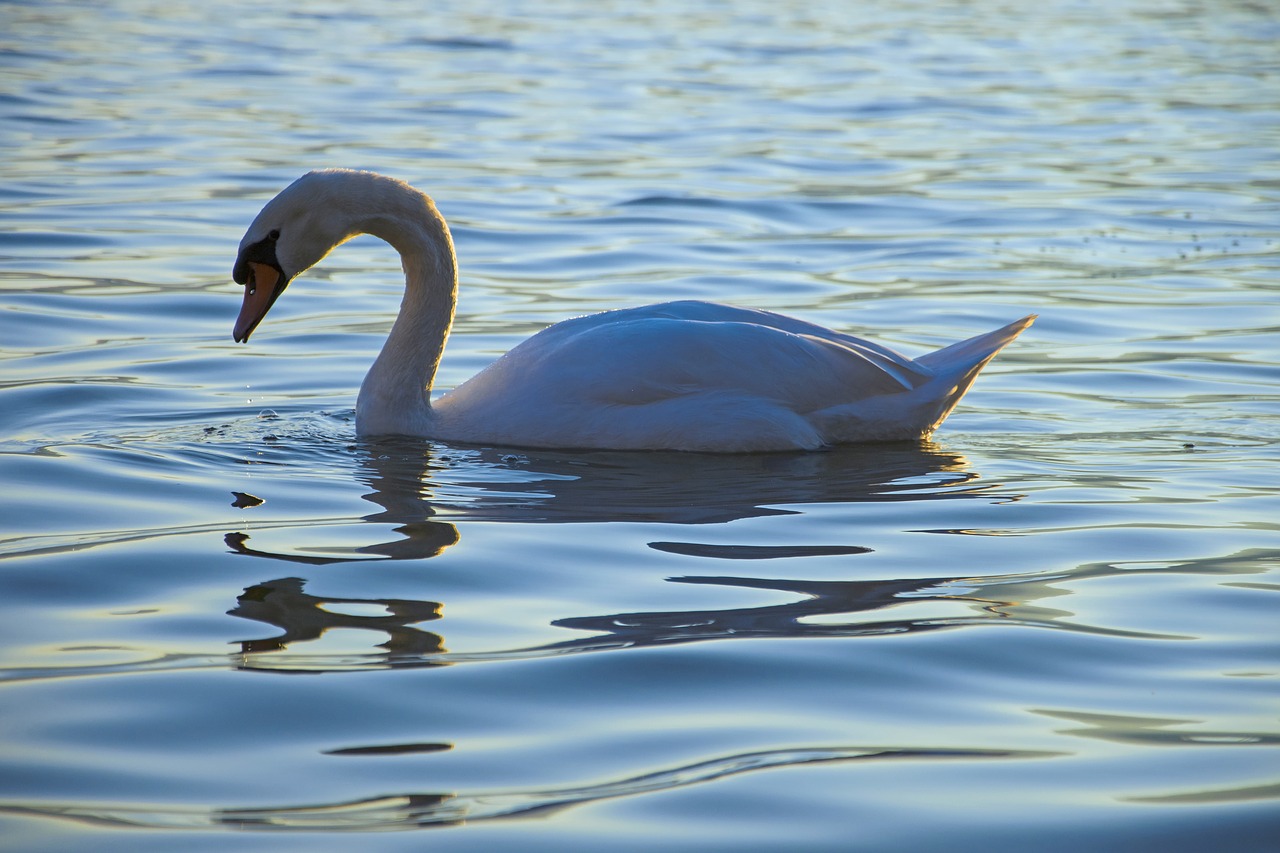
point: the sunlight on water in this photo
(227, 619)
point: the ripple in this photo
(420, 810)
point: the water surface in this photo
(228, 623)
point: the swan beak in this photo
(264, 283)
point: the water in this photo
(229, 624)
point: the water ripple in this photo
(421, 810)
(825, 609)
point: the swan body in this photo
(686, 375)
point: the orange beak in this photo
(260, 292)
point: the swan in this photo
(688, 375)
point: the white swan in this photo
(676, 376)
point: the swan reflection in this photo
(419, 541)
(305, 617)
(420, 488)
(818, 609)
(679, 488)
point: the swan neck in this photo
(395, 395)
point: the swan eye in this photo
(274, 234)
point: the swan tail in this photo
(976, 351)
(959, 364)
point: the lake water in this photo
(228, 624)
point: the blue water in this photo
(227, 623)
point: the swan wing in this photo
(758, 321)
(686, 374)
(638, 356)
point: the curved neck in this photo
(395, 395)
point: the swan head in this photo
(293, 232)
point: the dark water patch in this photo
(1157, 731)
(756, 552)
(42, 240)
(392, 749)
(1243, 794)
(461, 43)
